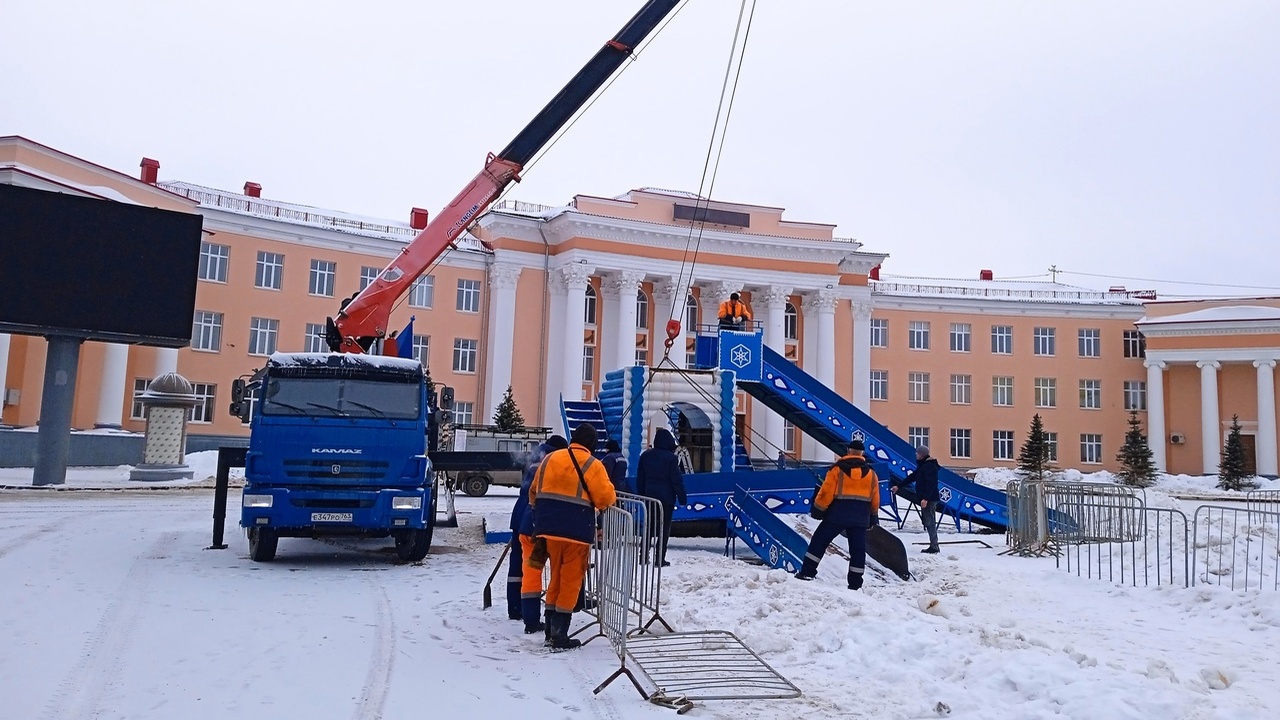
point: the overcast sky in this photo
(1126, 139)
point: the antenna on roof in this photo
(1053, 271)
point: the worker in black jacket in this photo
(658, 476)
(925, 479)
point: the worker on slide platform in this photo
(734, 314)
(524, 583)
(568, 489)
(847, 503)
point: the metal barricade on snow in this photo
(1130, 546)
(1236, 547)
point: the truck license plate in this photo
(331, 517)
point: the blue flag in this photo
(404, 341)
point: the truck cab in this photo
(337, 447)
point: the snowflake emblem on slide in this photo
(740, 356)
(944, 494)
(774, 555)
(859, 436)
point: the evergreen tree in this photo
(1137, 468)
(1231, 472)
(1033, 460)
(507, 416)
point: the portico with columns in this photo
(1205, 365)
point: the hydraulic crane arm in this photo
(364, 319)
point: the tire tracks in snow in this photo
(377, 681)
(81, 694)
(30, 535)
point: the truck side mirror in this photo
(446, 398)
(237, 397)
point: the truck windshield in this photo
(344, 397)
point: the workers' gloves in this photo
(682, 500)
(816, 512)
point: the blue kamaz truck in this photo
(337, 447)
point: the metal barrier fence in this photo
(616, 561)
(1094, 513)
(1263, 500)
(1028, 531)
(1236, 547)
(646, 587)
(1136, 546)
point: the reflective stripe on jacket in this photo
(563, 504)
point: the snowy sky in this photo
(1132, 139)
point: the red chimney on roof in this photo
(875, 273)
(986, 275)
(253, 189)
(150, 170)
(418, 218)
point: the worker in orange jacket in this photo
(734, 314)
(847, 502)
(568, 489)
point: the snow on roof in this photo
(1229, 313)
(528, 209)
(1011, 290)
(281, 359)
(661, 191)
(305, 214)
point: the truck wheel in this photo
(412, 545)
(262, 544)
(475, 485)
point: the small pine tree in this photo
(507, 416)
(1137, 466)
(1231, 472)
(1033, 460)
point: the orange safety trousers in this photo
(530, 577)
(568, 560)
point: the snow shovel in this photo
(885, 548)
(488, 586)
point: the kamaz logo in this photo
(337, 451)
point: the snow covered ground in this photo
(112, 608)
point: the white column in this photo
(4, 364)
(810, 449)
(1157, 435)
(115, 362)
(574, 277)
(1267, 464)
(166, 361)
(824, 301)
(555, 350)
(862, 355)
(664, 309)
(1210, 424)
(772, 307)
(500, 344)
(623, 286)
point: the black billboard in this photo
(96, 269)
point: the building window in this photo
(691, 316)
(422, 350)
(788, 437)
(791, 323)
(1090, 448)
(589, 307)
(1002, 444)
(918, 387)
(463, 413)
(879, 384)
(1135, 395)
(1135, 344)
(1002, 391)
(322, 275)
(642, 356)
(1090, 340)
(1046, 392)
(213, 262)
(202, 411)
(918, 436)
(1091, 394)
(1051, 442)
(262, 335)
(314, 341)
(642, 311)
(961, 443)
(367, 276)
(137, 411)
(1001, 339)
(588, 364)
(464, 356)
(961, 335)
(1043, 341)
(422, 294)
(961, 389)
(270, 270)
(879, 332)
(206, 331)
(918, 335)
(469, 296)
